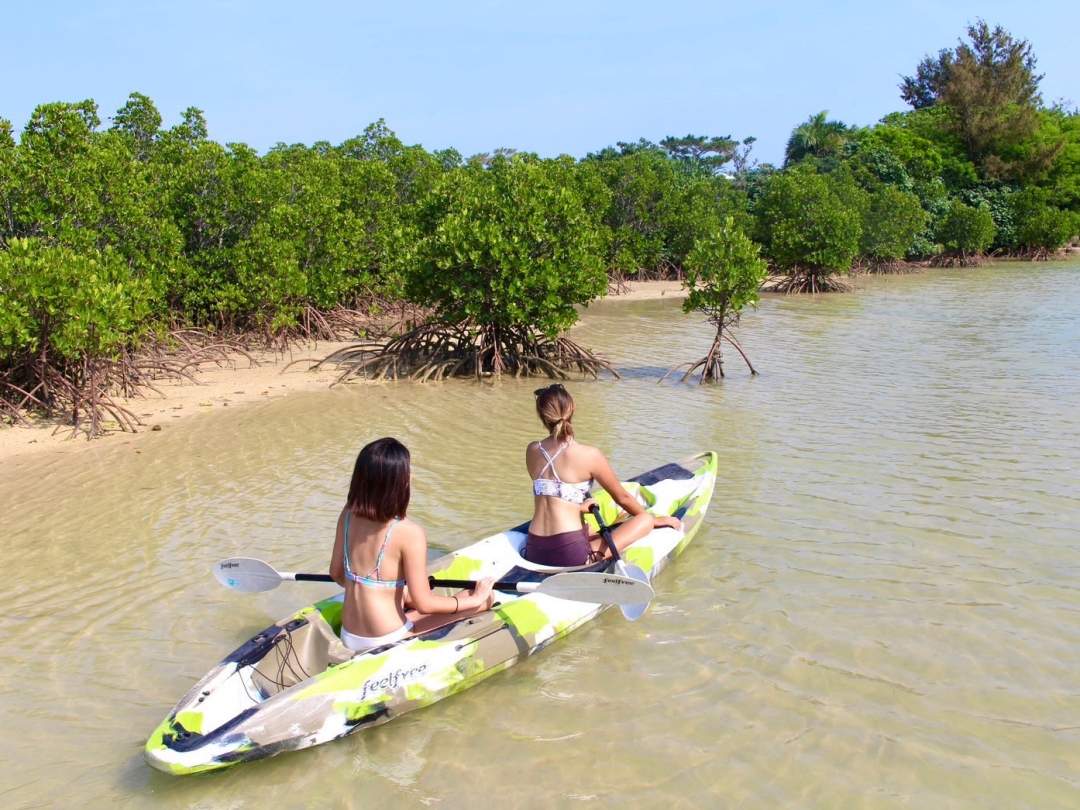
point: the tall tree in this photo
(723, 275)
(816, 137)
(991, 90)
(810, 225)
(701, 151)
(925, 87)
(140, 120)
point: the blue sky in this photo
(548, 76)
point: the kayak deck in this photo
(294, 684)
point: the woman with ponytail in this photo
(557, 534)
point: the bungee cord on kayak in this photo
(284, 662)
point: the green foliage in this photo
(661, 200)
(990, 92)
(701, 152)
(966, 230)
(894, 153)
(998, 200)
(723, 273)
(817, 137)
(56, 302)
(142, 225)
(87, 190)
(139, 120)
(1062, 177)
(804, 223)
(1040, 226)
(927, 140)
(513, 245)
(698, 207)
(639, 186)
(891, 223)
(924, 89)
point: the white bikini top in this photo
(556, 487)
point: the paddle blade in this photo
(634, 611)
(246, 574)
(590, 586)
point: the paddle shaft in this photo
(432, 582)
(521, 587)
(605, 533)
(308, 577)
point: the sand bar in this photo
(227, 386)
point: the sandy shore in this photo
(650, 290)
(224, 387)
(217, 387)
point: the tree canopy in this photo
(140, 229)
(991, 92)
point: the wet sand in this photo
(226, 386)
(218, 387)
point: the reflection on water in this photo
(882, 609)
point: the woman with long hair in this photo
(563, 471)
(379, 552)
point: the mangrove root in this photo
(802, 281)
(711, 366)
(958, 260)
(83, 394)
(436, 351)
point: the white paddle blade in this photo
(246, 574)
(605, 589)
(634, 611)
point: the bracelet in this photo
(457, 605)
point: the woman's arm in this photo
(337, 557)
(414, 559)
(605, 477)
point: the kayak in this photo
(295, 685)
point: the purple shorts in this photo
(563, 550)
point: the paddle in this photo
(250, 575)
(631, 611)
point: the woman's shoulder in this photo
(584, 450)
(408, 530)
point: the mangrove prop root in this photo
(890, 268)
(437, 351)
(711, 366)
(801, 281)
(730, 338)
(618, 284)
(82, 395)
(958, 260)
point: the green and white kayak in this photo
(295, 685)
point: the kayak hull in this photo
(294, 685)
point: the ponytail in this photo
(555, 407)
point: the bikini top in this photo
(556, 487)
(372, 580)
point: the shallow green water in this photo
(882, 610)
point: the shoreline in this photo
(218, 386)
(234, 385)
(240, 383)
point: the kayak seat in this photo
(669, 472)
(298, 654)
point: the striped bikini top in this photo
(372, 580)
(556, 487)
